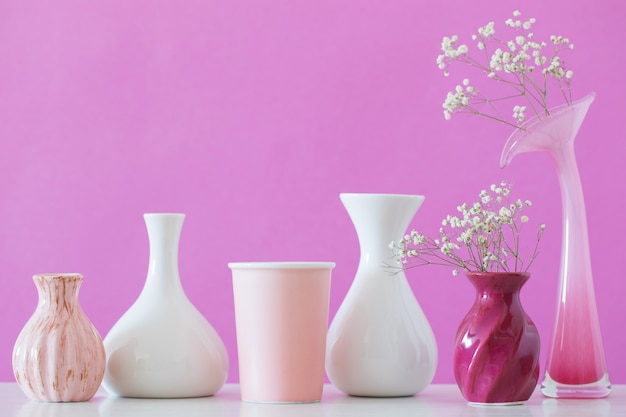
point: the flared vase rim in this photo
(392, 195)
(497, 273)
(504, 281)
(169, 214)
(556, 112)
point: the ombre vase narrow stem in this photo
(576, 366)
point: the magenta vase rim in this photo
(497, 273)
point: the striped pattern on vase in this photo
(59, 355)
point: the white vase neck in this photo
(164, 237)
(380, 219)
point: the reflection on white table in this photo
(436, 400)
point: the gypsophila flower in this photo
(519, 113)
(483, 236)
(525, 66)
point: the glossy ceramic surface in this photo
(58, 356)
(496, 359)
(163, 347)
(380, 343)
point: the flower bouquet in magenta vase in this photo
(496, 356)
(525, 70)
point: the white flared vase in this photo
(380, 343)
(163, 347)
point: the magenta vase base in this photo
(599, 389)
(504, 404)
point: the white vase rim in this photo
(164, 214)
(384, 194)
(365, 195)
(281, 265)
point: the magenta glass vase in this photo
(496, 358)
(576, 366)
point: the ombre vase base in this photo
(599, 389)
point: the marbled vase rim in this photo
(58, 275)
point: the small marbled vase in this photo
(59, 355)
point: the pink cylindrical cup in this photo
(281, 315)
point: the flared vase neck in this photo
(495, 286)
(58, 292)
(548, 134)
(380, 219)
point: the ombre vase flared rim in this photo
(281, 265)
(512, 144)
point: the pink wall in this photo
(251, 117)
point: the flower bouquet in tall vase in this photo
(528, 68)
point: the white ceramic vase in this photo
(163, 347)
(380, 343)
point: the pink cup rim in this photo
(281, 265)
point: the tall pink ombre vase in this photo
(281, 314)
(59, 355)
(576, 366)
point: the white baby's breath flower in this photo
(488, 230)
(487, 30)
(519, 113)
(519, 62)
(512, 46)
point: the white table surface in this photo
(436, 400)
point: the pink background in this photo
(251, 117)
